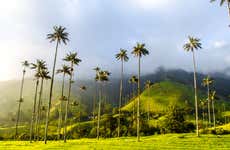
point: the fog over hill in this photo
(9, 90)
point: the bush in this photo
(174, 122)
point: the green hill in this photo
(166, 93)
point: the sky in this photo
(99, 28)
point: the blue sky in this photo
(99, 28)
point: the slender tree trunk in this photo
(203, 115)
(133, 102)
(225, 119)
(139, 98)
(149, 103)
(19, 103)
(195, 90)
(214, 116)
(67, 103)
(38, 111)
(209, 114)
(120, 99)
(34, 111)
(60, 107)
(51, 93)
(99, 112)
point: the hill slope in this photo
(164, 94)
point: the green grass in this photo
(164, 94)
(169, 141)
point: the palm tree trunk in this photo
(38, 111)
(99, 112)
(214, 116)
(34, 110)
(195, 90)
(209, 114)
(120, 99)
(133, 101)
(138, 102)
(149, 103)
(50, 97)
(67, 103)
(60, 107)
(19, 104)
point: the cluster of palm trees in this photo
(138, 51)
(102, 76)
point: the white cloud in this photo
(219, 44)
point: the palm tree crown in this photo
(25, 64)
(39, 65)
(58, 35)
(72, 57)
(193, 44)
(122, 55)
(148, 83)
(140, 50)
(65, 69)
(133, 79)
(207, 81)
(221, 1)
(102, 76)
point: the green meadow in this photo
(168, 141)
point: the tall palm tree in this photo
(65, 70)
(59, 35)
(25, 64)
(133, 80)
(222, 2)
(122, 55)
(72, 58)
(38, 67)
(101, 77)
(138, 51)
(207, 82)
(44, 75)
(213, 98)
(148, 85)
(192, 45)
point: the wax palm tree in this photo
(207, 82)
(101, 77)
(222, 2)
(25, 64)
(123, 57)
(148, 84)
(213, 98)
(65, 70)
(60, 36)
(72, 58)
(133, 80)
(138, 51)
(192, 45)
(38, 67)
(44, 75)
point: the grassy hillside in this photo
(162, 95)
(166, 142)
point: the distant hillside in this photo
(161, 95)
(9, 90)
(169, 93)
